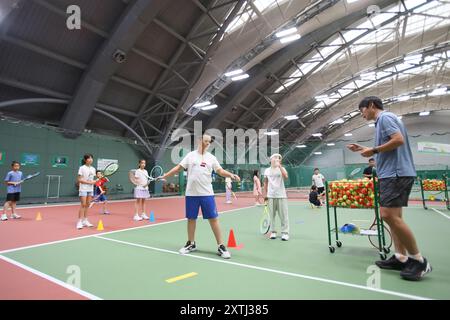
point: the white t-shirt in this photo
(87, 174)
(141, 177)
(318, 180)
(275, 187)
(199, 168)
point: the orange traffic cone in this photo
(38, 217)
(231, 240)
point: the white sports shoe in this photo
(223, 252)
(273, 235)
(228, 202)
(86, 223)
(144, 216)
(285, 237)
(188, 248)
(137, 217)
(79, 224)
(4, 217)
(15, 216)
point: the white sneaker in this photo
(223, 252)
(285, 237)
(4, 217)
(86, 223)
(144, 216)
(188, 248)
(15, 216)
(273, 235)
(228, 202)
(79, 224)
(137, 217)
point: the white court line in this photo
(104, 233)
(297, 275)
(441, 213)
(51, 279)
(69, 204)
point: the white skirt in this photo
(141, 193)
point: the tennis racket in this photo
(373, 238)
(28, 177)
(110, 169)
(264, 224)
(354, 172)
(155, 174)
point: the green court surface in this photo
(135, 264)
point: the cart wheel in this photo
(339, 243)
(425, 207)
(331, 249)
(386, 250)
(383, 256)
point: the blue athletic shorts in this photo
(101, 198)
(207, 203)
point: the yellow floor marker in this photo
(182, 277)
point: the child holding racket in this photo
(86, 176)
(141, 192)
(257, 188)
(13, 191)
(99, 191)
(275, 193)
(199, 193)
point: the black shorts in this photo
(13, 196)
(317, 203)
(394, 192)
(320, 190)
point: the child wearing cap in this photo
(275, 193)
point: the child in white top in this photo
(86, 181)
(141, 191)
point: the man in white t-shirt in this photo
(275, 193)
(199, 192)
(318, 180)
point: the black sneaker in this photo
(223, 252)
(391, 264)
(415, 270)
(188, 248)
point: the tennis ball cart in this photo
(356, 194)
(434, 188)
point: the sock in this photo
(400, 257)
(417, 257)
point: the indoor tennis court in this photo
(224, 150)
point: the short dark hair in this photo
(316, 169)
(255, 172)
(87, 156)
(98, 171)
(371, 159)
(313, 188)
(14, 162)
(368, 100)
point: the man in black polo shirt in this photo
(368, 171)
